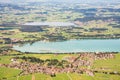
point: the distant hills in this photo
(78, 1)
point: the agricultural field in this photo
(91, 21)
(64, 76)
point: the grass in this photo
(75, 76)
(5, 59)
(100, 76)
(111, 64)
(26, 77)
(10, 73)
(62, 76)
(39, 76)
(72, 76)
(50, 56)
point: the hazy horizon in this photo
(79, 1)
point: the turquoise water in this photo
(110, 45)
(6, 28)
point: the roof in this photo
(50, 24)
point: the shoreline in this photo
(32, 41)
(64, 53)
(45, 39)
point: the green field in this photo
(8, 73)
(111, 64)
(63, 76)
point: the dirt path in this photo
(33, 77)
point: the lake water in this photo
(110, 45)
(62, 24)
(5, 28)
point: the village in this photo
(79, 64)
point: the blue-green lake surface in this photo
(109, 45)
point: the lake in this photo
(108, 45)
(50, 24)
(6, 28)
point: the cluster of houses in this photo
(28, 68)
(86, 59)
(6, 40)
(75, 63)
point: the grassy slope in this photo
(8, 73)
(50, 56)
(71, 76)
(112, 64)
(5, 59)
